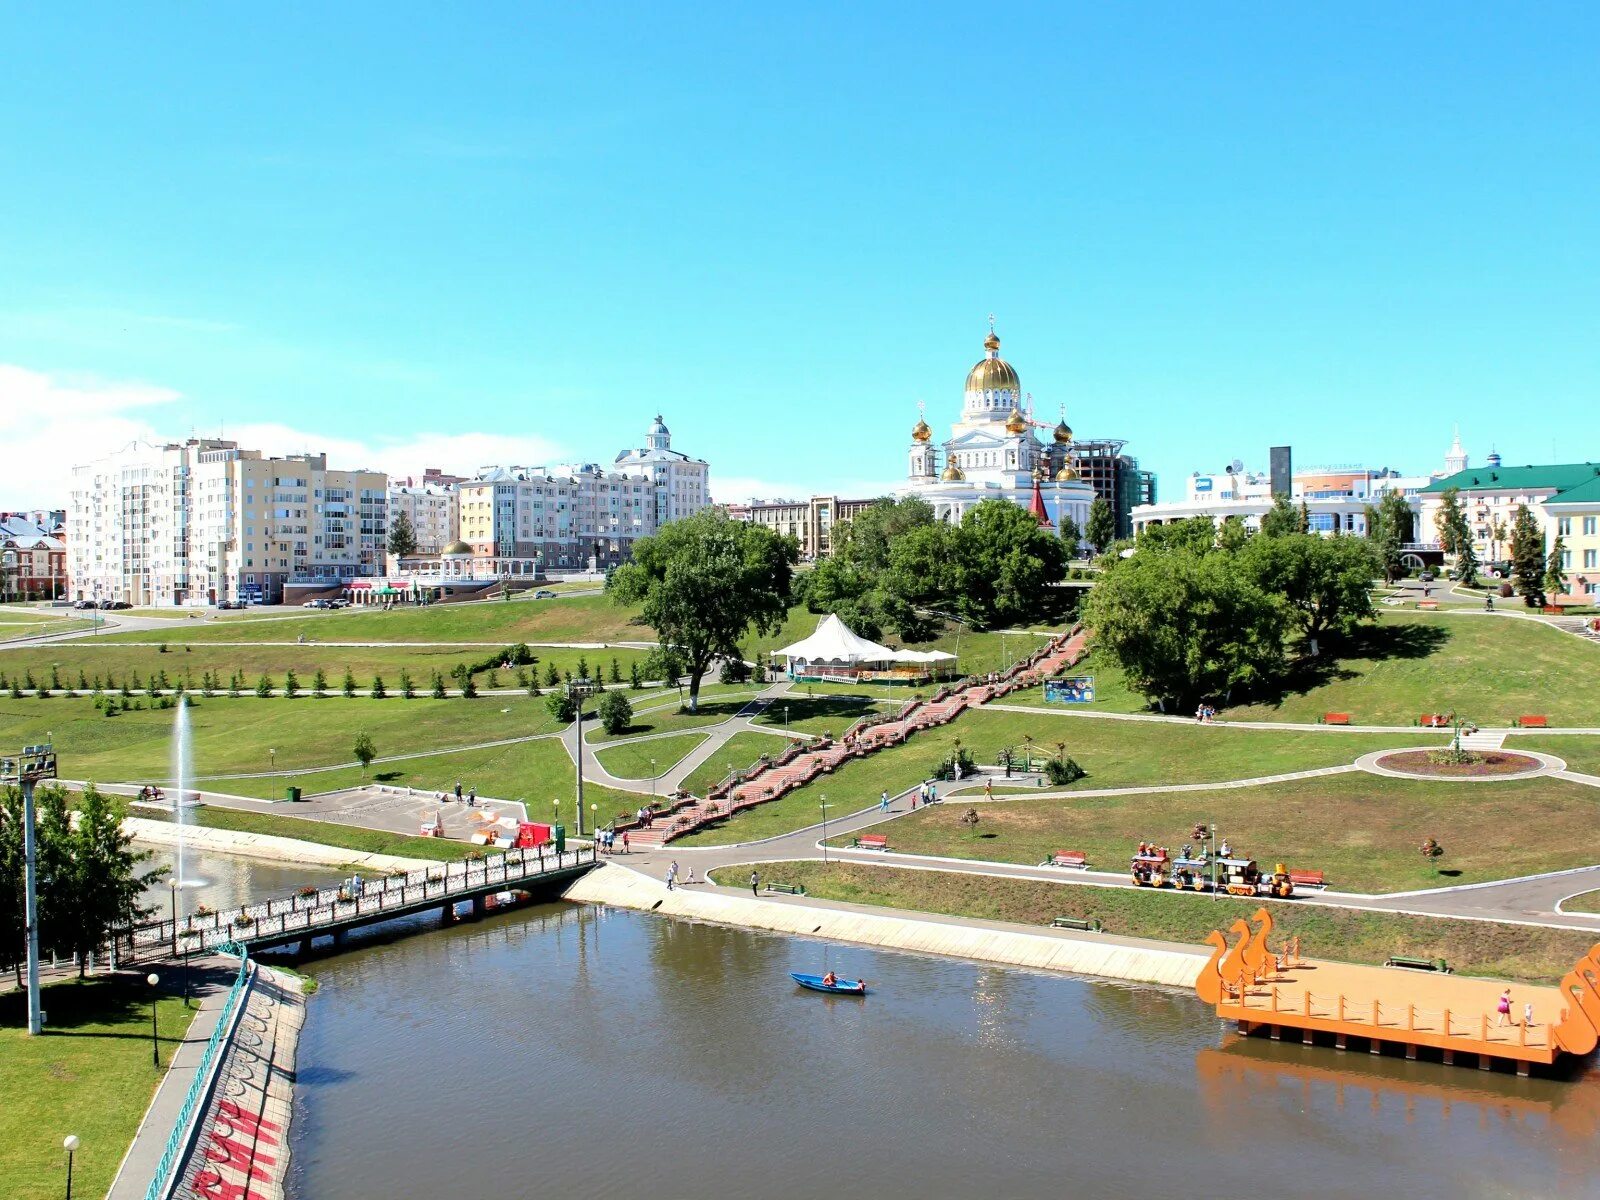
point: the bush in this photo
(438, 686)
(349, 685)
(562, 706)
(377, 688)
(264, 687)
(1063, 770)
(616, 714)
(954, 766)
(291, 684)
(734, 670)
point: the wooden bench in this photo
(1335, 718)
(1427, 604)
(787, 889)
(1308, 879)
(1532, 721)
(1418, 964)
(1433, 720)
(1067, 858)
(871, 841)
(1090, 926)
(1552, 610)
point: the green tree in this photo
(1008, 564)
(1281, 519)
(1555, 576)
(349, 685)
(704, 582)
(12, 924)
(319, 683)
(616, 672)
(364, 751)
(108, 879)
(1303, 522)
(464, 680)
(923, 579)
(1527, 555)
(562, 707)
(864, 543)
(60, 886)
(291, 684)
(1325, 582)
(1389, 528)
(634, 681)
(1467, 565)
(1451, 522)
(402, 537)
(439, 692)
(1185, 627)
(552, 676)
(408, 686)
(1195, 534)
(1101, 530)
(378, 692)
(1232, 535)
(615, 713)
(1071, 535)
(263, 687)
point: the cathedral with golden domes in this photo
(994, 452)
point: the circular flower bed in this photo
(1491, 763)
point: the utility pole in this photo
(27, 769)
(578, 689)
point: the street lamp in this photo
(27, 768)
(652, 778)
(578, 690)
(155, 1042)
(272, 757)
(824, 807)
(70, 1144)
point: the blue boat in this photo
(840, 987)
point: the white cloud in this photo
(51, 423)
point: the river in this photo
(577, 1052)
(227, 880)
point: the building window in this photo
(1589, 557)
(1589, 526)
(1563, 526)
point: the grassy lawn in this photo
(668, 716)
(1114, 753)
(1589, 902)
(1578, 752)
(1471, 947)
(233, 735)
(90, 1075)
(1489, 670)
(631, 760)
(820, 714)
(737, 753)
(1361, 829)
(345, 837)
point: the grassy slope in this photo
(820, 714)
(1471, 947)
(91, 1075)
(1362, 830)
(1589, 902)
(662, 714)
(737, 753)
(345, 837)
(1579, 752)
(1114, 753)
(631, 760)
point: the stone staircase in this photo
(1584, 627)
(1484, 740)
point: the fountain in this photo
(180, 800)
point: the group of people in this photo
(1205, 714)
(645, 816)
(672, 876)
(471, 795)
(1503, 1011)
(1192, 852)
(606, 841)
(150, 792)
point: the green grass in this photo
(344, 837)
(1489, 670)
(1527, 954)
(667, 716)
(233, 735)
(1362, 830)
(90, 1075)
(631, 760)
(738, 752)
(821, 714)
(1580, 753)
(1114, 753)
(1588, 902)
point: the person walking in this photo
(458, 791)
(625, 841)
(883, 802)
(1503, 1008)
(988, 789)
(755, 883)
(1527, 1015)
(472, 797)
(672, 876)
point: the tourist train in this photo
(1154, 867)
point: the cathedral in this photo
(994, 453)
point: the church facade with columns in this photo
(995, 452)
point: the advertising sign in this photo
(1078, 690)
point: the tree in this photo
(1101, 530)
(1389, 528)
(552, 676)
(1467, 565)
(1185, 627)
(438, 686)
(924, 575)
(108, 881)
(291, 684)
(319, 683)
(1008, 563)
(1071, 535)
(402, 537)
(263, 687)
(1555, 578)
(1527, 555)
(1451, 522)
(1232, 535)
(1325, 582)
(562, 707)
(1197, 534)
(615, 713)
(378, 692)
(704, 582)
(634, 681)
(12, 924)
(1303, 521)
(1281, 519)
(364, 750)
(864, 542)
(408, 686)
(349, 685)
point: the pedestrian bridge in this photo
(302, 917)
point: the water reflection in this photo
(226, 880)
(608, 1053)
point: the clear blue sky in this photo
(1204, 228)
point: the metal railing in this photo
(200, 1086)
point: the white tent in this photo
(834, 642)
(922, 656)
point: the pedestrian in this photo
(625, 841)
(472, 797)
(1503, 1008)
(913, 803)
(672, 874)
(755, 883)
(988, 789)
(883, 802)
(458, 791)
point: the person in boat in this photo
(830, 980)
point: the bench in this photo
(1552, 610)
(1418, 964)
(1067, 858)
(787, 889)
(1533, 721)
(871, 841)
(1308, 879)
(1433, 720)
(1090, 926)
(1335, 718)
(1427, 604)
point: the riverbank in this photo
(1521, 953)
(1108, 957)
(266, 846)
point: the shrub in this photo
(233, 686)
(55, 678)
(349, 685)
(1063, 770)
(552, 677)
(291, 684)
(464, 680)
(734, 670)
(161, 649)
(634, 680)
(264, 687)
(377, 688)
(615, 713)
(562, 706)
(438, 686)
(319, 682)
(408, 687)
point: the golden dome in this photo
(991, 343)
(457, 549)
(920, 431)
(993, 373)
(1066, 474)
(1063, 433)
(952, 473)
(1016, 422)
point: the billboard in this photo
(1282, 471)
(1078, 690)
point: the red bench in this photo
(872, 841)
(1433, 720)
(1308, 879)
(1535, 721)
(1336, 718)
(1428, 604)
(1067, 858)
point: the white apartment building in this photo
(680, 484)
(200, 521)
(433, 510)
(568, 517)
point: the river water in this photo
(226, 880)
(577, 1052)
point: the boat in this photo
(842, 987)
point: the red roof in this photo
(1036, 506)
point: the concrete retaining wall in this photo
(1086, 954)
(264, 846)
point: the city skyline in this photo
(1247, 231)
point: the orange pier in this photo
(1269, 992)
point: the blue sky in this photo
(431, 235)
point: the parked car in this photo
(83, 604)
(317, 604)
(228, 604)
(339, 602)
(544, 594)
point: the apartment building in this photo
(431, 504)
(810, 522)
(195, 522)
(33, 555)
(680, 485)
(569, 517)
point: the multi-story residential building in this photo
(810, 522)
(1336, 498)
(431, 504)
(568, 517)
(1574, 517)
(33, 555)
(680, 484)
(200, 521)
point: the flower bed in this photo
(1492, 764)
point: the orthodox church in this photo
(994, 453)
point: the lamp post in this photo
(579, 690)
(27, 769)
(70, 1144)
(824, 807)
(786, 718)
(652, 778)
(155, 1039)
(594, 823)
(272, 757)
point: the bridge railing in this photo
(294, 913)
